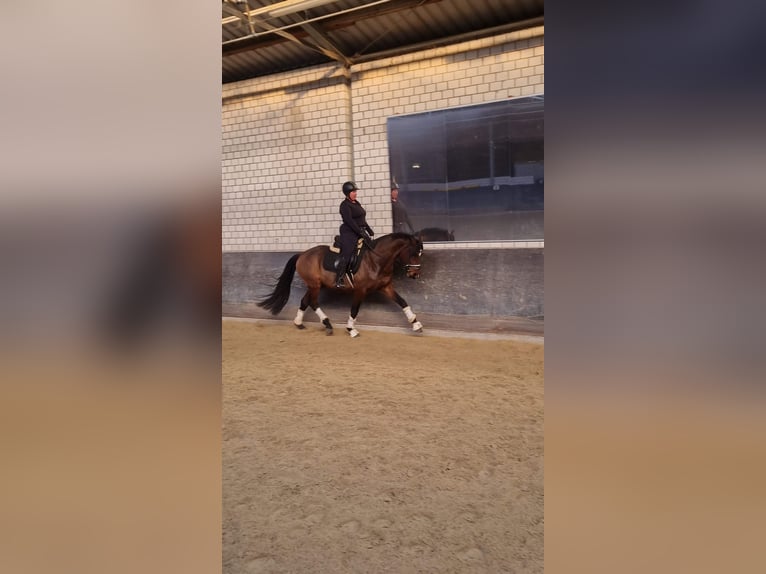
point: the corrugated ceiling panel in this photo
(389, 25)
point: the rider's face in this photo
(352, 195)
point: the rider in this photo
(353, 227)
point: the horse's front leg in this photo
(357, 302)
(391, 293)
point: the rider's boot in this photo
(341, 271)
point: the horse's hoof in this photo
(301, 326)
(417, 327)
(353, 332)
(328, 332)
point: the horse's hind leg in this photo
(299, 316)
(311, 298)
(325, 321)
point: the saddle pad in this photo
(330, 259)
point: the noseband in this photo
(415, 265)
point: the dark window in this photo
(476, 171)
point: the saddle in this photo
(330, 261)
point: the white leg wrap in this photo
(321, 314)
(299, 317)
(350, 327)
(408, 312)
(417, 327)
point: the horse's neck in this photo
(396, 247)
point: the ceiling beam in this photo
(291, 37)
(232, 11)
(320, 43)
(343, 19)
(281, 8)
(328, 48)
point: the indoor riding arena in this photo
(400, 450)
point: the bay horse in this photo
(375, 272)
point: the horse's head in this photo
(410, 257)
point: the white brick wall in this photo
(290, 140)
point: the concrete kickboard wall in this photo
(494, 283)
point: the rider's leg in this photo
(341, 270)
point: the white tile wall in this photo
(290, 140)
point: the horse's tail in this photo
(278, 298)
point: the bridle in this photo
(407, 266)
(414, 265)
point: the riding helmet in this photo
(348, 187)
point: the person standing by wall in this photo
(399, 212)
